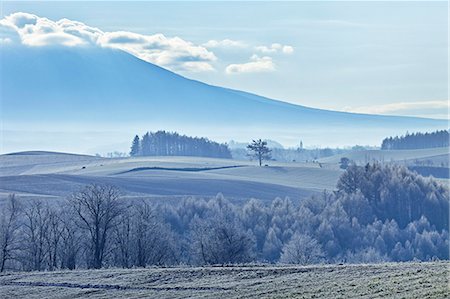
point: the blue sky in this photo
(372, 57)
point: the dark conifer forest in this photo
(162, 143)
(417, 141)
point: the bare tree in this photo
(259, 150)
(9, 224)
(70, 241)
(36, 225)
(53, 238)
(97, 207)
(122, 239)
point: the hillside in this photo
(52, 174)
(364, 156)
(393, 280)
(57, 175)
(102, 90)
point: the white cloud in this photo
(275, 48)
(256, 65)
(35, 31)
(225, 43)
(438, 109)
(288, 49)
(170, 52)
(174, 53)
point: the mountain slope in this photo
(92, 85)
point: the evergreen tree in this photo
(135, 146)
(146, 146)
(259, 150)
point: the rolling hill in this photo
(83, 89)
(365, 156)
(38, 174)
(56, 175)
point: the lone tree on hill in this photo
(259, 150)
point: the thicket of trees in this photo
(417, 141)
(162, 143)
(378, 213)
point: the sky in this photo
(359, 56)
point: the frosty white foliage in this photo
(302, 249)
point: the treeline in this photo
(162, 143)
(378, 213)
(417, 141)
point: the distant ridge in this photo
(42, 153)
(91, 86)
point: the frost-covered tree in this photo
(153, 242)
(365, 256)
(272, 246)
(378, 213)
(303, 250)
(219, 241)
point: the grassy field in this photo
(391, 280)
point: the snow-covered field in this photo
(56, 175)
(392, 280)
(364, 156)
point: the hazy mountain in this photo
(94, 86)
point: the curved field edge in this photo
(389, 280)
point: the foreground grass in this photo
(391, 280)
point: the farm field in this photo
(390, 280)
(437, 155)
(50, 175)
(56, 175)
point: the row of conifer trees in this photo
(417, 141)
(162, 143)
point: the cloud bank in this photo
(173, 53)
(436, 109)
